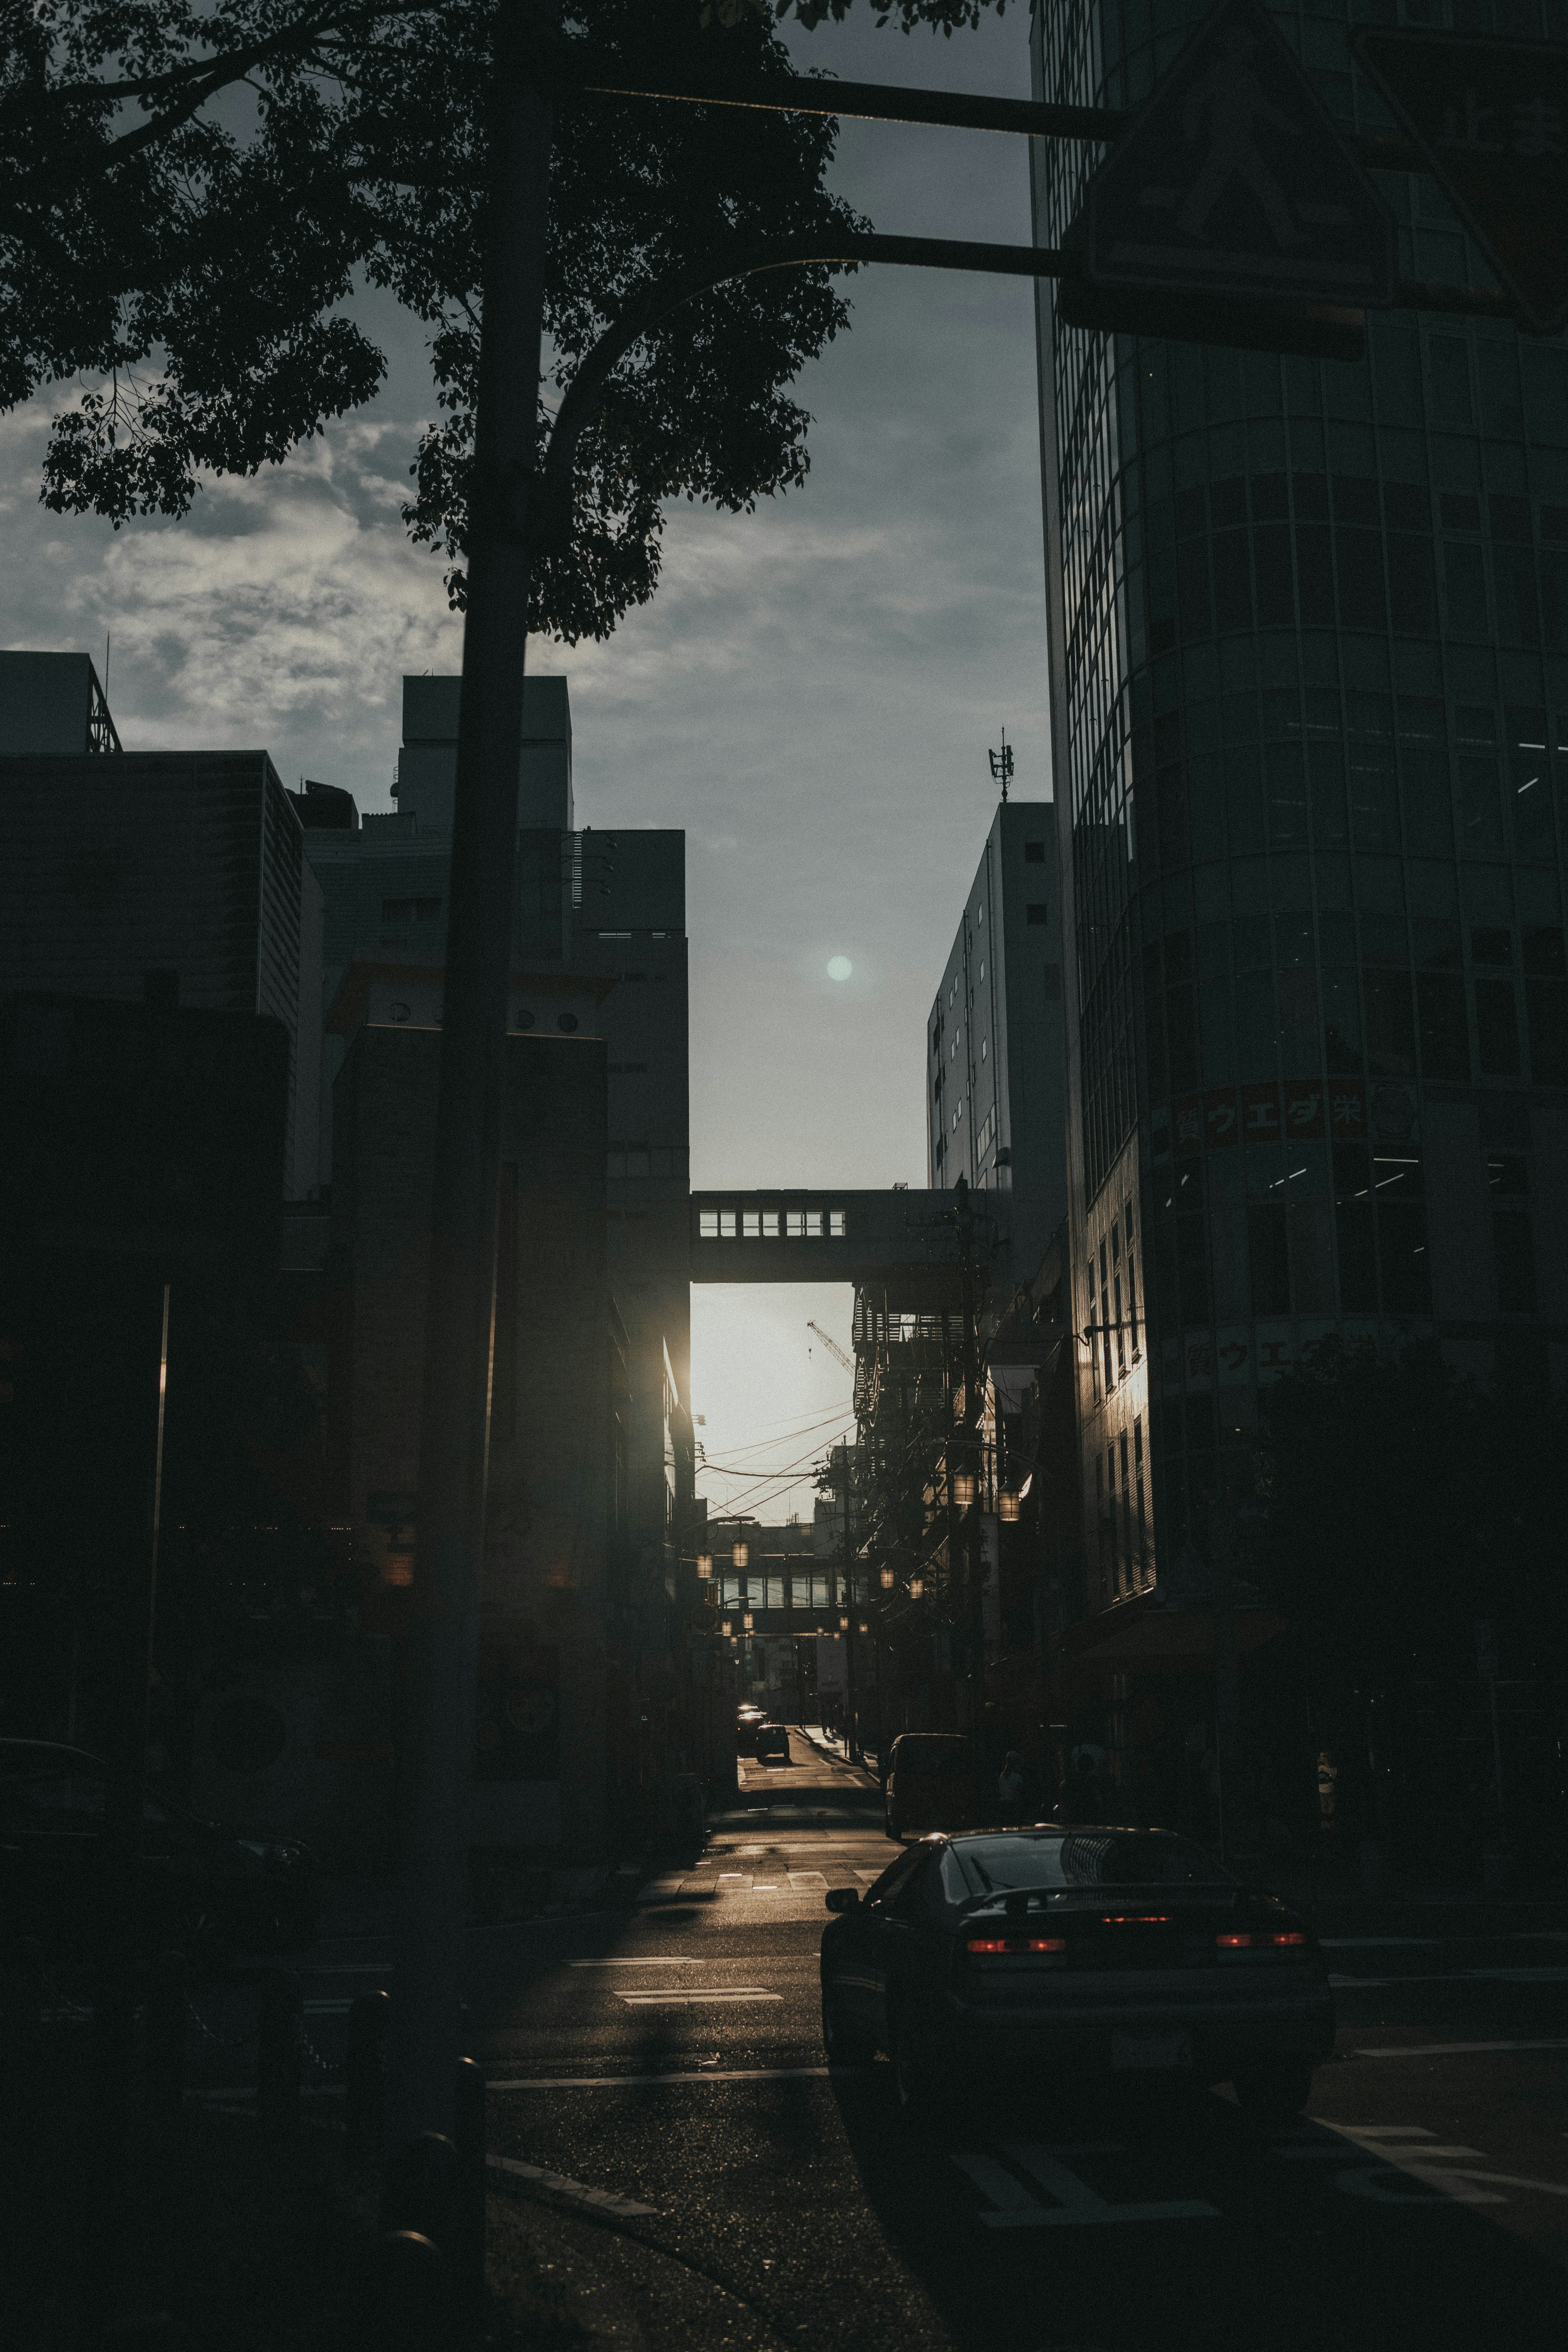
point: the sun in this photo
(839, 967)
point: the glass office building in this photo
(1308, 650)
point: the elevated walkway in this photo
(903, 1245)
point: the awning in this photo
(1136, 1640)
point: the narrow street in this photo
(657, 2085)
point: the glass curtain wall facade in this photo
(1309, 646)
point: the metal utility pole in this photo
(851, 1728)
(437, 1758)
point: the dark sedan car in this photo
(210, 1889)
(1083, 1952)
(772, 1740)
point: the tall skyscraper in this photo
(995, 1110)
(1308, 633)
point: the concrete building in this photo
(186, 866)
(996, 1108)
(599, 970)
(1308, 668)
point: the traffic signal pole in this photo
(436, 1754)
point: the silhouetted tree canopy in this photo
(190, 194)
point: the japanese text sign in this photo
(1492, 118)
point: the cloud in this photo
(811, 694)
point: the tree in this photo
(188, 197)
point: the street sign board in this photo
(1234, 179)
(1492, 118)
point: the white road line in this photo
(603, 2200)
(1077, 2205)
(640, 1961)
(689, 1999)
(1455, 2048)
(1081, 2203)
(712, 2075)
(1008, 2194)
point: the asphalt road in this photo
(656, 2079)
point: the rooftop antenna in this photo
(1002, 766)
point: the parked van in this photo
(931, 1783)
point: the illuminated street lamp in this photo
(887, 1580)
(1007, 1504)
(864, 1628)
(705, 1565)
(746, 1623)
(727, 1628)
(844, 1625)
(963, 1488)
(742, 1553)
(917, 1586)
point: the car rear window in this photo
(1096, 1858)
(935, 1759)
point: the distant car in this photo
(209, 1889)
(771, 1739)
(931, 1783)
(747, 1719)
(1085, 1952)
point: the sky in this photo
(811, 694)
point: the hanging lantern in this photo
(705, 1565)
(917, 1586)
(963, 1488)
(1007, 1504)
(887, 1580)
(844, 1625)
(727, 1628)
(864, 1628)
(746, 1623)
(741, 1554)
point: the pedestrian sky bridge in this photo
(903, 1244)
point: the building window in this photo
(1514, 1248)
(1138, 1476)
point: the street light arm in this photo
(646, 310)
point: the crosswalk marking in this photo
(1076, 2206)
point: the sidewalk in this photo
(831, 1745)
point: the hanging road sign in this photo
(1492, 118)
(1234, 179)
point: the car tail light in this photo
(1017, 1944)
(1265, 1939)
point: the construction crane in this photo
(832, 1346)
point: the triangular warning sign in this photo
(1491, 119)
(1234, 179)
